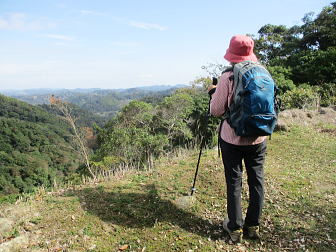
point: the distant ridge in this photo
(44, 91)
(156, 88)
(102, 102)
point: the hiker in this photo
(236, 148)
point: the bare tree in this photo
(79, 137)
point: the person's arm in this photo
(219, 100)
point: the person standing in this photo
(236, 149)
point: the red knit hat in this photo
(240, 49)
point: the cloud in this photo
(147, 26)
(14, 21)
(19, 21)
(90, 12)
(124, 43)
(59, 37)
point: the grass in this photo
(136, 212)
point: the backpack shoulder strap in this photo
(229, 69)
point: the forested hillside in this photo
(84, 118)
(36, 147)
(104, 102)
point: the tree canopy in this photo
(307, 52)
(36, 147)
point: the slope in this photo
(35, 147)
(135, 211)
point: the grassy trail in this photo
(136, 212)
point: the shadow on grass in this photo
(317, 235)
(143, 210)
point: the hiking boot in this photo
(252, 232)
(236, 235)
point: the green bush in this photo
(327, 92)
(281, 77)
(302, 97)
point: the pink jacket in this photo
(220, 102)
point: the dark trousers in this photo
(253, 156)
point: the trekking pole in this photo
(193, 189)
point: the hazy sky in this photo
(127, 43)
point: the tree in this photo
(202, 124)
(79, 136)
(314, 67)
(302, 54)
(130, 138)
(171, 117)
(282, 78)
(320, 33)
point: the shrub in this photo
(281, 77)
(327, 92)
(302, 97)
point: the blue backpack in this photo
(254, 107)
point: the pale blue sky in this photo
(127, 43)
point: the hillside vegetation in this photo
(136, 211)
(36, 147)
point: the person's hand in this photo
(211, 89)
